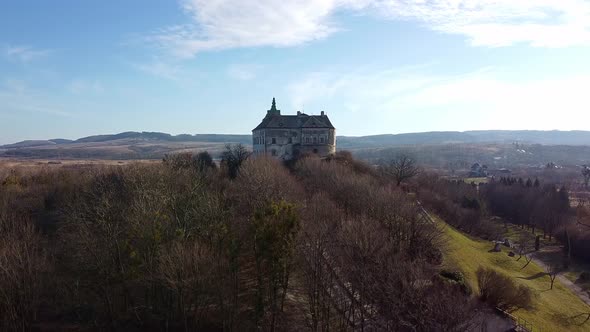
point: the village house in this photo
(288, 136)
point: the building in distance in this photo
(288, 136)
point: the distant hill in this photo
(152, 145)
(487, 136)
(127, 145)
(156, 136)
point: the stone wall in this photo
(287, 143)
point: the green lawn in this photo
(513, 232)
(555, 310)
(476, 180)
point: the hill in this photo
(556, 310)
(127, 145)
(488, 136)
(436, 147)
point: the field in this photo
(7, 164)
(119, 149)
(551, 252)
(476, 180)
(555, 310)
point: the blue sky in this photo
(71, 68)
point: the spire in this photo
(273, 108)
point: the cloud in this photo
(490, 100)
(243, 72)
(159, 68)
(370, 87)
(24, 53)
(85, 87)
(227, 24)
(17, 96)
(539, 23)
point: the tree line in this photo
(249, 244)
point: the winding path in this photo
(583, 295)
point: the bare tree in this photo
(401, 168)
(233, 157)
(24, 270)
(583, 214)
(320, 218)
(586, 174)
(204, 161)
(553, 271)
(524, 245)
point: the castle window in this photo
(322, 140)
(315, 140)
(307, 140)
(273, 152)
(290, 140)
(274, 140)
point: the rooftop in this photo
(274, 119)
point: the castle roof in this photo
(295, 121)
(274, 119)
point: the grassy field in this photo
(555, 310)
(551, 253)
(476, 180)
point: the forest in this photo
(251, 245)
(254, 244)
(545, 209)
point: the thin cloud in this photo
(161, 69)
(24, 53)
(16, 96)
(243, 72)
(228, 24)
(496, 23)
(40, 109)
(499, 101)
(80, 86)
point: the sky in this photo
(71, 68)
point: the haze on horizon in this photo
(70, 69)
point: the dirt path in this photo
(583, 295)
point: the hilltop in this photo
(154, 145)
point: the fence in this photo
(522, 325)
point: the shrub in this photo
(179, 160)
(204, 161)
(186, 160)
(457, 278)
(501, 292)
(453, 275)
(233, 157)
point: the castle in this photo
(287, 136)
